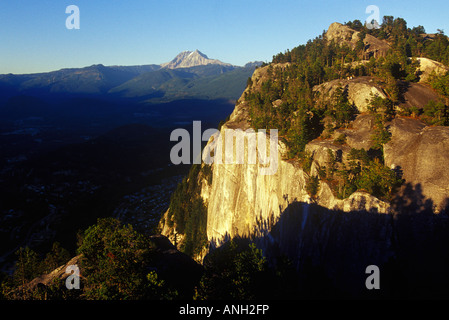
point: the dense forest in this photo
(117, 260)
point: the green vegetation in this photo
(299, 116)
(340, 110)
(297, 119)
(200, 82)
(313, 186)
(341, 139)
(411, 42)
(29, 265)
(116, 264)
(362, 173)
(233, 272)
(187, 211)
(115, 258)
(441, 84)
(437, 112)
(306, 124)
(239, 271)
(381, 135)
(382, 109)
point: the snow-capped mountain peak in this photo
(187, 59)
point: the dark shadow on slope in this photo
(331, 249)
(176, 268)
(421, 240)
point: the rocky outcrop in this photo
(427, 67)
(419, 152)
(360, 90)
(278, 214)
(416, 95)
(175, 267)
(359, 135)
(343, 34)
(342, 235)
(55, 278)
(422, 153)
(59, 274)
(242, 202)
(239, 117)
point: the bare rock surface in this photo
(417, 95)
(340, 33)
(359, 136)
(422, 153)
(360, 90)
(428, 67)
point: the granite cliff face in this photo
(277, 211)
(243, 202)
(422, 153)
(343, 235)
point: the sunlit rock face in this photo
(243, 201)
(422, 153)
(277, 213)
(360, 91)
(341, 236)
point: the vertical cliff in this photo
(298, 210)
(277, 212)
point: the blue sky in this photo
(34, 38)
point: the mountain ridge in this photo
(166, 81)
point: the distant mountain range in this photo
(191, 74)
